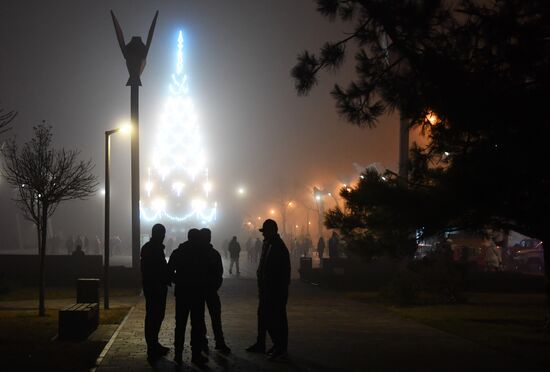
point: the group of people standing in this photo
(196, 269)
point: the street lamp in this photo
(123, 129)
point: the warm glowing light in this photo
(102, 191)
(432, 118)
(297, 226)
(259, 218)
(125, 128)
(290, 204)
(318, 197)
(241, 191)
(272, 211)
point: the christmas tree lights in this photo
(177, 187)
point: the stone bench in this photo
(77, 321)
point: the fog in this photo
(60, 62)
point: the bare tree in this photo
(44, 177)
(5, 119)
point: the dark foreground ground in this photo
(327, 333)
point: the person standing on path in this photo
(155, 281)
(273, 281)
(321, 248)
(234, 251)
(188, 267)
(333, 245)
(214, 282)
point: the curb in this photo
(111, 341)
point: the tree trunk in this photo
(42, 242)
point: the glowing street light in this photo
(107, 193)
(241, 191)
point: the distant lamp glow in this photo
(272, 211)
(125, 128)
(241, 191)
(102, 191)
(318, 197)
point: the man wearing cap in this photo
(273, 280)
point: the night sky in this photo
(60, 62)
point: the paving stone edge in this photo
(111, 341)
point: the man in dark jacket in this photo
(215, 279)
(154, 275)
(188, 267)
(273, 281)
(234, 252)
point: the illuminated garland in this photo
(177, 186)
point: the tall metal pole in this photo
(135, 54)
(106, 233)
(135, 175)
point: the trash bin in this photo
(87, 290)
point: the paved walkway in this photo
(327, 333)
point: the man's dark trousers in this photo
(189, 304)
(215, 310)
(272, 318)
(155, 307)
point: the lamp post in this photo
(107, 205)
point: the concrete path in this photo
(327, 333)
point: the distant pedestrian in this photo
(189, 267)
(155, 280)
(214, 282)
(249, 249)
(273, 280)
(78, 252)
(333, 245)
(321, 247)
(234, 252)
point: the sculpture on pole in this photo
(135, 54)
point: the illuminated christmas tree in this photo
(177, 187)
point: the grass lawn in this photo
(511, 323)
(26, 342)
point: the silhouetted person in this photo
(215, 279)
(189, 266)
(78, 252)
(321, 247)
(333, 245)
(234, 252)
(155, 281)
(273, 281)
(249, 249)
